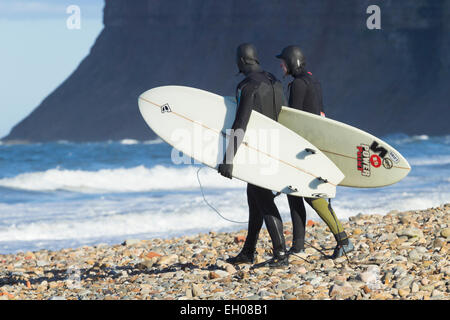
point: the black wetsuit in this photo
(305, 93)
(262, 92)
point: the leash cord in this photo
(242, 222)
(211, 206)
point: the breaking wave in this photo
(137, 179)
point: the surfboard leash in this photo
(242, 222)
(211, 206)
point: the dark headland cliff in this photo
(383, 81)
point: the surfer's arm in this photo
(320, 97)
(297, 94)
(243, 113)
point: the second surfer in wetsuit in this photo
(305, 93)
(262, 92)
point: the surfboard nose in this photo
(408, 165)
(141, 105)
(144, 95)
(146, 98)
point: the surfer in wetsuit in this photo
(262, 92)
(305, 93)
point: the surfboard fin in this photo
(312, 151)
(322, 179)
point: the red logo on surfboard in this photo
(363, 159)
(375, 160)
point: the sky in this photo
(40, 46)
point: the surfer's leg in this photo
(272, 219)
(274, 226)
(324, 210)
(298, 215)
(255, 222)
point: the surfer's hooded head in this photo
(294, 60)
(247, 59)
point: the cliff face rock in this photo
(384, 81)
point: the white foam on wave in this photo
(421, 137)
(403, 139)
(129, 141)
(137, 179)
(430, 160)
(116, 218)
(155, 141)
(112, 226)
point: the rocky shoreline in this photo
(400, 255)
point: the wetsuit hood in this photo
(294, 60)
(247, 59)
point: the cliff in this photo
(383, 81)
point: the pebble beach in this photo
(398, 256)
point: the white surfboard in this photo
(365, 160)
(271, 156)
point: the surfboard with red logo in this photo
(365, 160)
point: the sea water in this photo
(66, 195)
